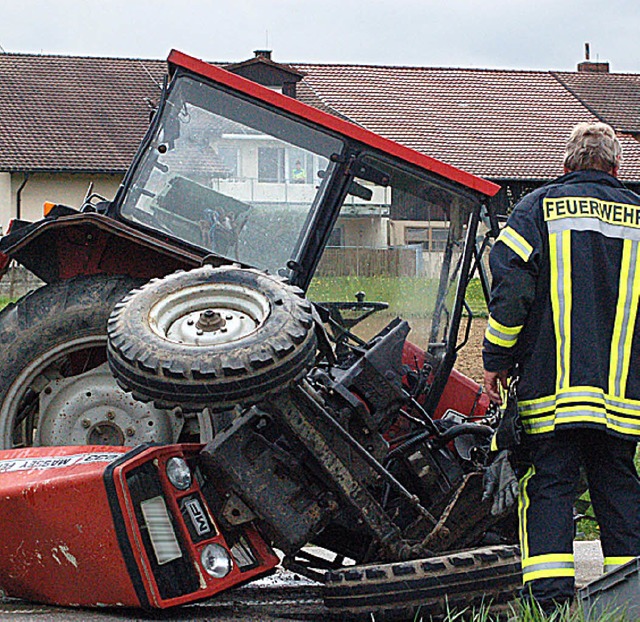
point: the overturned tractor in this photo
(178, 313)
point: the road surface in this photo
(285, 597)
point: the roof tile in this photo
(74, 113)
(64, 113)
(493, 123)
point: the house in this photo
(68, 122)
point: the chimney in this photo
(587, 66)
(266, 54)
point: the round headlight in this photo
(216, 560)
(179, 473)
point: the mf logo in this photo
(198, 517)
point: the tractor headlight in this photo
(216, 560)
(179, 473)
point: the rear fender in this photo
(92, 243)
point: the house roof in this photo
(614, 97)
(65, 113)
(79, 114)
(494, 123)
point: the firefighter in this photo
(564, 314)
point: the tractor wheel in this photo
(425, 588)
(211, 338)
(55, 384)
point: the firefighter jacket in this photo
(564, 305)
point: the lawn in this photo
(407, 296)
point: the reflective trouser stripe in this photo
(548, 566)
(523, 506)
(545, 566)
(611, 563)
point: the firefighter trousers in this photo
(547, 495)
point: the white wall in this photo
(64, 188)
(367, 232)
(5, 200)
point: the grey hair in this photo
(593, 146)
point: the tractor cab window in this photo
(398, 240)
(228, 176)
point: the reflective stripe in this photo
(501, 335)
(494, 443)
(611, 563)
(516, 243)
(548, 566)
(523, 506)
(581, 405)
(586, 224)
(560, 259)
(626, 311)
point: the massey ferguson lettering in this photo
(54, 462)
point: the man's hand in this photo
(493, 380)
(500, 484)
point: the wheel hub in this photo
(209, 314)
(105, 433)
(211, 320)
(90, 409)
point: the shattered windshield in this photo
(400, 244)
(228, 176)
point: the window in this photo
(198, 176)
(439, 238)
(431, 238)
(270, 164)
(229, 156)
(417, 235)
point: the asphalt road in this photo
(282, 598)
(285, 597)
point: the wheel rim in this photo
(66, 396)
(209, 314)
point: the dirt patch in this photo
(470, 357)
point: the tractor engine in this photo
(316, 463)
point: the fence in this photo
(17, 282)
(336, 261)
(367, 262)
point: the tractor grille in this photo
(170, 562)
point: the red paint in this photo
(460, 393)
(59, 543)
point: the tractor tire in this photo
(55, 385)
(211, 338)
(425, 588)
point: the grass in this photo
(407, 296)
(525, 612)
(4, 301)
